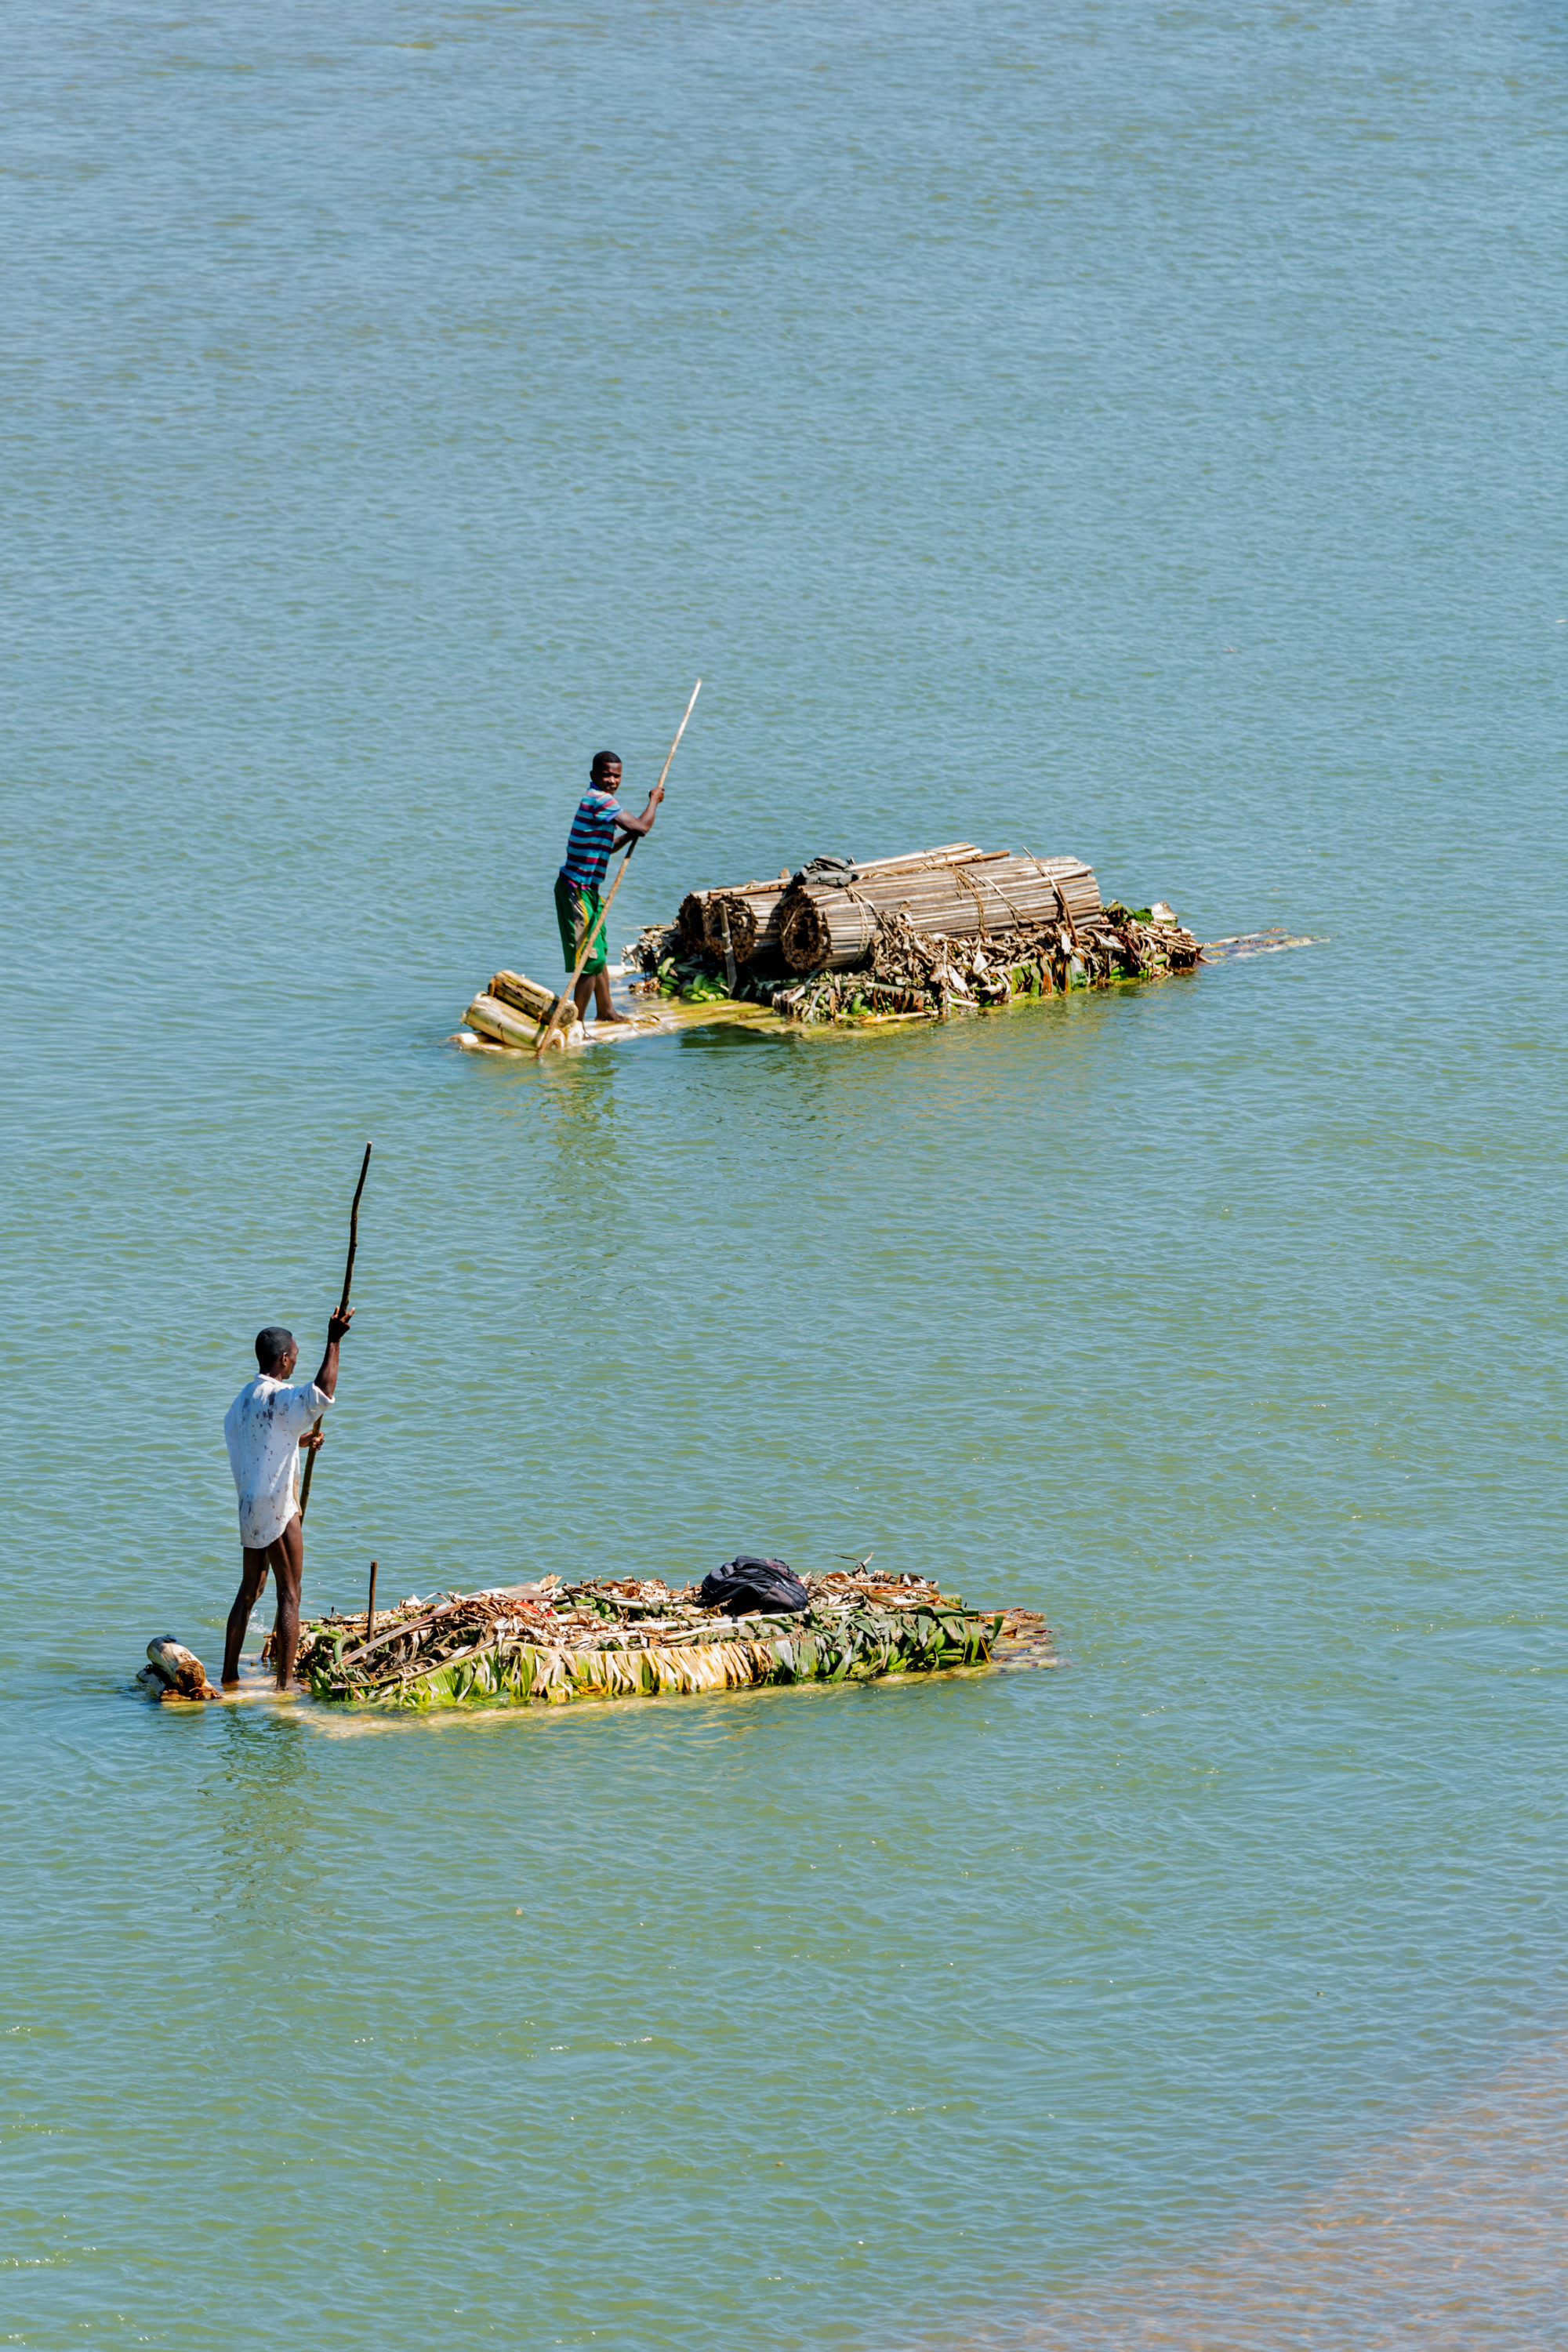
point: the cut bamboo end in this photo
(524, 996)
(753, 917)
(504, 1025)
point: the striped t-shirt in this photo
(593, 831)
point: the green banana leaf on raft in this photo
(621, 1637)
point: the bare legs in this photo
(597, 986)
(285, 1559)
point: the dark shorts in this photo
(576, 911)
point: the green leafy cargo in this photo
(622, 1637)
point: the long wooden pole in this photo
(342, 1309)
(595, 930)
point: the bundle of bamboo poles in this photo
(745, 920)
(512, 1011)
(826, 929)
(625, 1637)
(755, 910)
(689, 921)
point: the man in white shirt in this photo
(265, 1428)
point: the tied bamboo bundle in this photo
(524, 996)
(512, 1011)
(625, 1637)
(912, 938)
(688, 922)
(822, 929)
(754, 907)
(752, 913)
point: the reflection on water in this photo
(1445, 2237)
(256, 1795)
(1072, 425)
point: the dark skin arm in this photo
(631, 828)
(327, 1378)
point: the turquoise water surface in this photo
(1129, 431)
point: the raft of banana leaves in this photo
(627, 1637)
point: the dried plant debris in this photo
(914, 937)
(912, 973)
(629, 1637)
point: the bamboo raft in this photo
(622, 1637)
(916, 937)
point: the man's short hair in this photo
(603, 760)
(272, 1345)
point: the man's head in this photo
(276, 1351)
(605, 771)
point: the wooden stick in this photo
(342, 1309)
(595, 930)
(1055, 881)
(370, 1605)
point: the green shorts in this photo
(577, 911)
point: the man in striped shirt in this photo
(599, 827)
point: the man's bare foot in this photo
(617, 1020)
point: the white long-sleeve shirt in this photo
(262, 1428)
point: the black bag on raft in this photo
(746, 1584)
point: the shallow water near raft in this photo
(1121, 433)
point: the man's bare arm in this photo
(336, 1324)
(632, 828)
